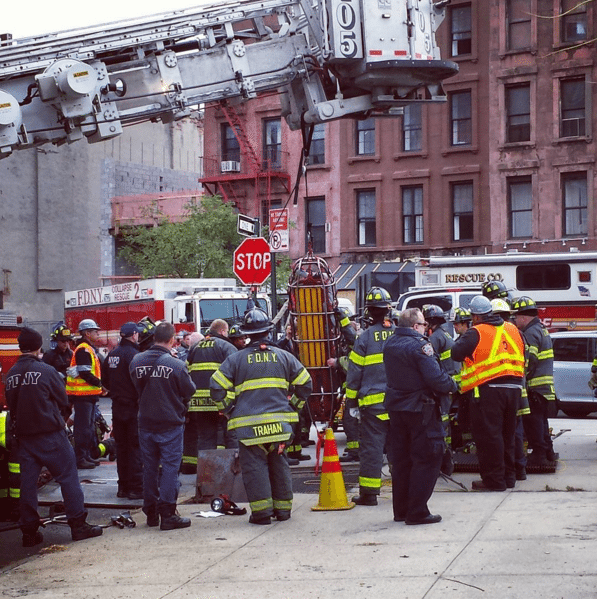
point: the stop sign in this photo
(253, 261)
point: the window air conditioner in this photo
(572, 127)
(230, 166)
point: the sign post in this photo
(253, 261)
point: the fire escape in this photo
(250, 183)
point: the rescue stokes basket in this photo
(312, 299)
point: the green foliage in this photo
(201, 245)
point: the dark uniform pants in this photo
(128, 453)
(416, 451)
(373, 432)
(84, 422)
(493, 421)
(350, 424)
(536, 427)
(201, 432)
(54, 451)
(267, 479)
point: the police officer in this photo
(539, 382)
(414, 379)
(254, 386)
(61, 355)
(84, 386)
(201, 430)
(365, 390)
(125, 407)
(38, 404)
(493, 354)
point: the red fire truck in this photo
(9, 348)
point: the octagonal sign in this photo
(253, 261)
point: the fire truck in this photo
(191, 304)
(9, 348)
(564, 285)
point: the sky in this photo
(35, 17)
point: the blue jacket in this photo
(413, 372)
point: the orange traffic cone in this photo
(332, 492)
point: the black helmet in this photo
(433, 312)
(146, 329)
(493, 289)
(234, 332)
(256, 321)
(61, 333)
(461, 315)
(377, 297)
(523, 304)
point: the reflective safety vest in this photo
(75, 385)
(500, 352)
(3, 429)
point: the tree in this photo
(201, 245)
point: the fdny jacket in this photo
(84, 373)
(366, 376)
(253, 385)
(203, 360)
(413, 372)
(539, 370)
(116, 377)
(40, 404)
(164, 387)
(442, 343)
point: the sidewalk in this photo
(524, 543)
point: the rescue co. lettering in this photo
(263, 430)
(474, 277)
(30, 378)
(161, 372)
(382, 335)
(261, 357)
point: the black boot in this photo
(171, 520)
(80, 529)
(153, 518)
(31, 536)
(368, 499)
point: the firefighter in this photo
(236, 337)
(461, 320)
(201, 429)
(495, 289)
(253, 386)
(84, 387)
(61, 355)
(146, 330)
(125, 407)
(38, 403)
(493, 354)
(539, 382)
(365, 391)
(10, 471)
(442, 343)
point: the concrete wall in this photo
(55, 209)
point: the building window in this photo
(518, 113)
(365, 137)
(518, 15)
(412, 214)
(462, 208)
(461, 30)
(573, 20)
(520, 206)
(366, 217)
(411, 128)
(230, 145)
(572, 104)
(315, 228)
(461, 118)
(272, 143)
(574, 194)
(317, 150)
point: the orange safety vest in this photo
(75, 385)
(500, 352)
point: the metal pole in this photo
(274, 285)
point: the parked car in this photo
(573, 353)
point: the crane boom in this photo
(328, 59)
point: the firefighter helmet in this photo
(523, 304)
(500, 305)
(88, 324)
(61, 333)
(146, 329)
(234, 331)
(256, 321)
(461, 315)
(394, 315)
(377, 297)
(480, 305)
(493, 289)
(433, 312)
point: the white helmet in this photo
(88, 324)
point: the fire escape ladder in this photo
(246, 148)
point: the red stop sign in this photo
(253, 261)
